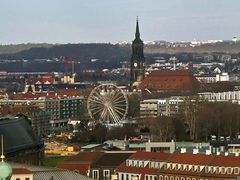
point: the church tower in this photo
(137, 70)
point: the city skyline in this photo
(112, 21)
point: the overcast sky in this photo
(81, 21)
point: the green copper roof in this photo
(5, 171)
(90, 146)
(191, 144)
(137, 146)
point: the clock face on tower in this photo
(135, 64)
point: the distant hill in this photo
(228, 47)
(15, 48)
(106, 55)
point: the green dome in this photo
(5, 171)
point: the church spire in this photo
(137, 34)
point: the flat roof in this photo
(140, 145)
(90, 146)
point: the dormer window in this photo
(182, 167)
(212, 169)
(223, 170)
(236, 170)
(206, 169)
(130, 163)
(229, 170)
(190, 167)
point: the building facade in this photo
(159, 107)
(179, 166)
(61, 109)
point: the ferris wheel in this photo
(107, 104)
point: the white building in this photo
(233, 96)
(159, 107)
(213, 79)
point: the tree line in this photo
(196, 120)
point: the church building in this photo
(137, 65)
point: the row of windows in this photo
(135, 163)
(208, 169)
(174, 178)
(22, 179)
(106, 174)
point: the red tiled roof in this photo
(83, 157)
(228, 161)
(82, 168)
(21, 171)
(141, 155)
(169, 80)
(189, 158)
(80, 162)
(111, 159)
(42, 80)
(149, 155)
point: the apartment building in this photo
(159, 107)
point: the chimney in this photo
(183, 150)
(226, 154)
(218, 153)
(236, 154)
(195, 151)
(208, 152)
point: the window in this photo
(17, 178)
(166, 178)
(229, 170)
(130, 163)
(106, 174)
(95, 174)
(76, 171)
(27, 178)
(223, 170)
(236, 170)
(160, 177)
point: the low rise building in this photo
(214, 78)
(21, 174)
(159, 107)
(179, 166)
(142, 166)
(166, 147)
(62, 107)
(30, 172)
(225, 145)
(104, 167)
(221, 96)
